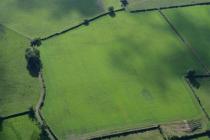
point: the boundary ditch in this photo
(170, 7)
(41, 120)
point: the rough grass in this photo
(194, 25)
(146, 4)
(21, 128)
(151, 135)
(37, 18)
(18, 90)
(116, 73)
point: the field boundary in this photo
(170, 7)
(21, 34)
(125, 133)
(38, 114)
(3, 118)
(84, 23)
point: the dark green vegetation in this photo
(34, 64)
(118, 73)
(37, 18)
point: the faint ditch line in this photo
(21, 34)
(185, 42)
(198, 100)
(192, 50)
(80, 24)
(170, 7)
(38, 113)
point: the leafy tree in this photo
(111, 11)
(36, 42)
(124, 3)
(34, 64)
(191, 76)
(86, 22)
(31, 113)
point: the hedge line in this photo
(85, 22)
(170, 7)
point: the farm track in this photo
(38, 108)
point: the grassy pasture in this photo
(36, 18)
(146, 4)
(196, 20)
(21, 128)
(114, 74)
(18, 90)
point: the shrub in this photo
(34, 64)
(124, 3)
(31, 113)
(86, 22)
(192, 79)
(36, 42)
(111, 11)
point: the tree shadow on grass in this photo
(1, 125)
(197, 33)
(60, 8)
(2, 31)
(149, 67)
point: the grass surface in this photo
(21, 128)
(36, 18)
(116, 73)
(186, 21)
(18, 90)
(152, 135)
(146, 4)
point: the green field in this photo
(21, 128)
(186, 21)
(116, 74)
(18, 89)
(37, 18)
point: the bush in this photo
(31, 113)
(192, 79)
(111, 11)
(34, 64)
(36, 42)
(124, 3)
(86, 22)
